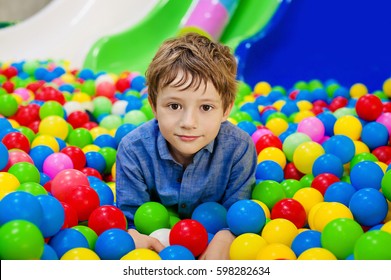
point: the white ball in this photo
(119, 107)
(163, 235)
(72, 106)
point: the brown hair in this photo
(200, 60)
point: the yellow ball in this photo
(311, 214)
(8, 183)
(277, 125)
(328, 212)
(317, 254)
(141, 254)
(308, 197)
(18, 98)
(349, 126)
(382, 165)
(233, 121)
(55, 126)
(80, 254)
(262, 88)
(97, 131)
(357, 90)
(81, 97)
(361, 147)
(304, 105)
(276, 251)
(46, 140)
(68, 78)
(264, 207)
(387, 87)
(90, 148)
(279, 231)
(112, 187)
(246, 246)
(113, 167)
(301, 115)
(14, 123)
(305, 155)
(386, 227)
(273, 153)
(279, 104)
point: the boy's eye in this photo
(174, 106)
(206, 108)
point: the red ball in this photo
(337, 103)
(89, 125)
(322, 181)
(383, 153)
(10, 72)
(8, 86)
(89, 171)
(106, 89)
(190, 234)
(16, 140)
(369, 107)
(34, 126)
(289, 209)
(268, 140)
(50, 93)
(66, 179)
(291, 172)
(78, 118)
(122, 84)
(76, 155)
(387, 107)
(25, 115)
(71, 219)
(107, 217)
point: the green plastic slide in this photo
(133, 49)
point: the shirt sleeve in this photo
(131, 188)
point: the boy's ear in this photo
(227, 112)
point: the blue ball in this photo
(366, 174)
(134, 103)
(20, 205)
(289, 108)
(340, 146)
(122, 130)
(113, 244)
(212, 215)
(328, 163)
(138, 83)
(67, 239)
(340, 192)
(176, 252)
(374, 135)
(53, 215)
(245, 216)
(306, 240)
(38, 154)
(105, 140)
(269, 170)
(86, 74)
(48, 253)
(106, 196)
(95, 160)
(44, 178)
(247, 126)
(369, 207)
(328, 120)
(4, 156)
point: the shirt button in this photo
(183, 205)
(179, 180)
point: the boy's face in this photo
(190, 119)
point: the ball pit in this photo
(323, 182)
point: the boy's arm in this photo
(219, 246)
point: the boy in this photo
(188, 154)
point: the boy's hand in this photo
(218, 248)
(145, 241)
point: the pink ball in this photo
(385, 119)
(313, 127)
(259, 133)
(55, 163)
(15, 156)
(105, 89)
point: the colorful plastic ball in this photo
(25, 172)
(328, 120)
(113, 244)
(305, 155)
(122, 131)
(16, 140)
(95, 160)
(66, 179)
(20, 240)
(56, 162)
(88, 233)
(151, 216)
(340, 146)
(142, 254)
(212, 215)
(290, 187)
(349, 126)
(70, 219)
(289, 209)
(163, 235)
(383, 153)
(374, 135)
(77, 254)
(109, 154)
(362, 157)
(247, 126)
(105, 140)
(48, 253)
(33, 188)
(107, 217)
(21, 206)
(369, 206)
(373, 245)
(9, 105)
(135, 117)
(268, 192)
(8, 183)
(51, 108)
(276, 251)
(176, 252)
(328, 163)
(67, 239)
(39, 154)
(316, 254)
(78, 118)
(369, 107)
(47, 140)
(327, 212)
(79, 137)
(259, 133)
(340, 235)
(53, 215)
(313, 127)
(55, 126)
(366, 174)
(190, 234)
(385, 185)
(272, 153)
(339, 192)
(4, 156)
(322, 182)
(306, 240)
(291, 172)
(106, 196)
(277, 125)
(246, 246)
(76, 155)
(269, 170)
(279, 231)
(268, 140)
(245, 216)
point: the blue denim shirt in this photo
(223, 171)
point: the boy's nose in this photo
(189, 119)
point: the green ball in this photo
(135, 117)
(174, 220)
(340, 235)
(28, 132)
(151, 216)
(111, 122)
(20, 240)
(301, 85)
(30, 66)
(102, 105)
(79, 137)
(386, 185)
(240, 116)
(33, 188)
(147, 110)
(9, 105)
(88, 87)
(290, 187)
(306, 180)
(268, 192)
(88, 233)
(362, 157)
(109, 154)
(292, 141)
(25, 172)
(277, 115)
(344, 111)
(373, 245)
(51, 108)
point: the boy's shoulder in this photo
(230, 130)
